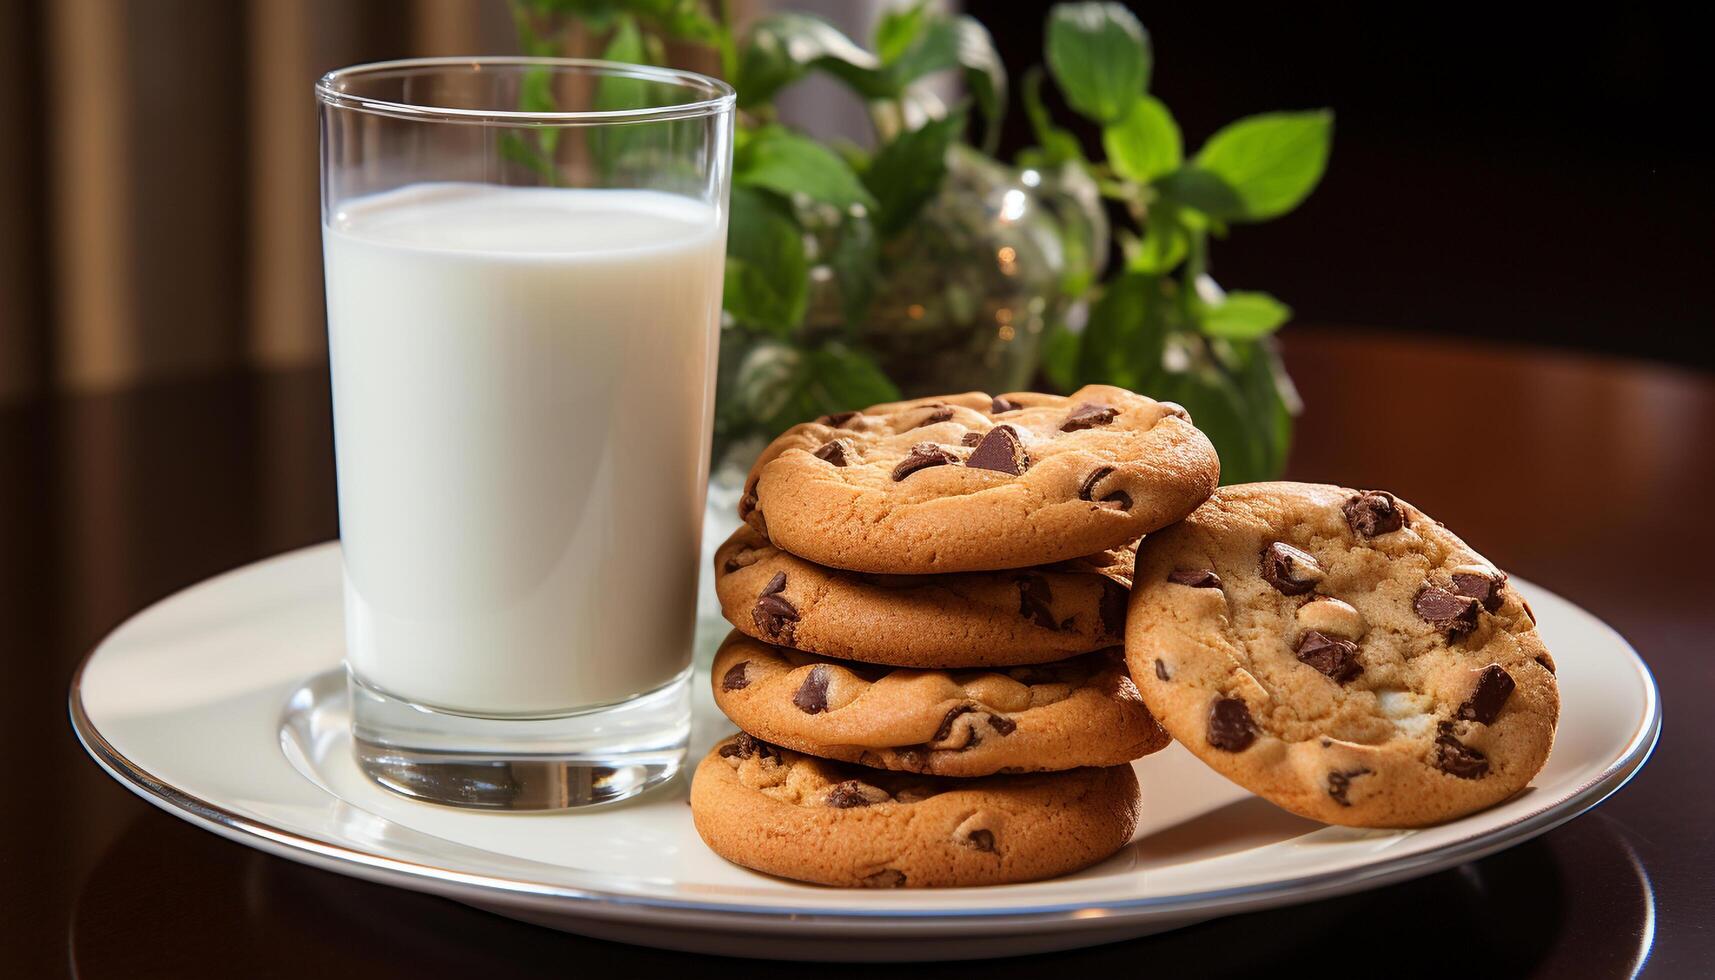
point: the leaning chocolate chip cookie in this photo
(800, 817)
(1342, 654)
(969, 619)
(1078, 712)
(973, 483)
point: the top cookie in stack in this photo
(969, 483)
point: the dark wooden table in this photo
(1591, 477)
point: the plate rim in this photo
(574, 901)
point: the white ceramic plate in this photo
(224, 706)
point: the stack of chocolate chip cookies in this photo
(928, 599)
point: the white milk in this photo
(523, 386)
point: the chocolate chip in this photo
(946, 730)
(981, 840)
(1114, 599)
(1546, 661)
(837, 452)
(736, 678)
(776, 617)
(885, 878)
(1000, 451)
(1001, 404)
(1177, 410)
(812, 695)
(1290, 570)
(941, 414)
(846, 795)
(838, 419)
(1196, 578)
(1161, 670)
(1089, 487)
(1455, 758)
(922, 456)
(1118, 499)
(1374, 512)
(1494, 686)
(1335, 657)
(1230, 726)
(1034, 599)
(1484, 588)
(970, 439)
(1002, 725)
(1456, 614)
(1088, 416)
(1340, 782)
(744, 746)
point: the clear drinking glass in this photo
(523, 264)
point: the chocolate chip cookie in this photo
(1079, 712)
(972, 483)
(800, 817)
(967, 619)
(1342, 654)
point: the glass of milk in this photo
(524, 262)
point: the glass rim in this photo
(722, 99)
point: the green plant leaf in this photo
(626, 45)
(1144, 143)
(1100, 57)
(1055, 145)
(684, 19)
(767, 270)
(783, 46)
(842, 379)
(1060, 358)
(1124, 338)
(785, 162)
(985, 77)
(781, 385)
(614, 146)
(1242, 316)
(1258, 168)
(935, 49)
(1272, 400)
(898, 29)
(906, 172)
(855, 260)
(1164, 244)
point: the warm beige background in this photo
(158, 170)
(158, 204)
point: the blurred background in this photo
(1501, 175)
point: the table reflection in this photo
(169, 899)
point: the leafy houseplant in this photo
(832, 249)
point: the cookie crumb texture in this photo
(970, 619)
(968, 482)
(1342, 654)
(1079, 712)
(787, 814)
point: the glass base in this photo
(596, 756)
